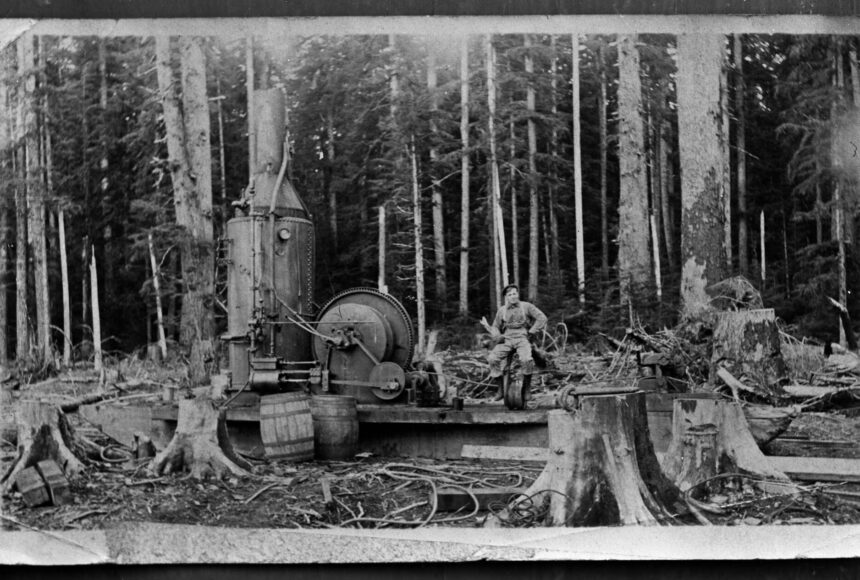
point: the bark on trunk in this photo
(666, 182)
(35, 199)
(515, 206)
(6, 166)
(419, 249)
(634, 258)
(500, 270)
(191, 170)
(464, 178)
(104, 182)
(437, 201)
(735, 448)
(604, 149)
(200, 445)
(727, 173)
(43, 433)
(700, 137)
(533, 176)
(601, 469)
(747, 344)
(22, 310)
(741, 146)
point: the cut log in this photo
(601, 468)
(746, 343)
(736, 450)
(43, 433)
(200, 445)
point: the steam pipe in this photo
(272, 204)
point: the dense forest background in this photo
(372, 117)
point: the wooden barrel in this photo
(286, 426)
(335, 426)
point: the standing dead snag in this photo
(200, 444)
(43, 433)
(601, 468)
(734, 448)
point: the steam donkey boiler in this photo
(359, 343)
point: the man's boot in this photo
(526, 388)
(500, 388)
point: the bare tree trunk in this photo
(634, 258)
(533, 176)
(222, 166)
(727, 172)
(740, 114)
(104, 182)
(657, 191)
(464, 177)
(419, 248)
(555, 260)
(156, 287)
(498, 230)
(604, 148)
(700, 58)
(436, 196)
(329, 172)
(85, 185)
(67, 306)
(22, 310)
(191, 170)
(7, 176)
(515, 206)
(97, 321)
(35, 198)
(666, 187)
(838, 227)
(381, 243)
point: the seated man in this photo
(516, 321)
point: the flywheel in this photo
(360, 332)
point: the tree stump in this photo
(200, 445)
(601, 469)
(43, 433)
(697, 460)
(687, 461)
(746, 343)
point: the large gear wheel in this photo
(366, 328)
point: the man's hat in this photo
(508, 287)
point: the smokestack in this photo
(270, 118)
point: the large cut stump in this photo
(601, 468)
(43, 433)
(712, 436)
(746, 343)
(200, 445)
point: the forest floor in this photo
(369, 491)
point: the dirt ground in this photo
(370, 491)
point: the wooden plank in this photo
(791, 446)
(119, 422)
(451, 499)
(818, 468)
(447, 416)
(536, 454)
